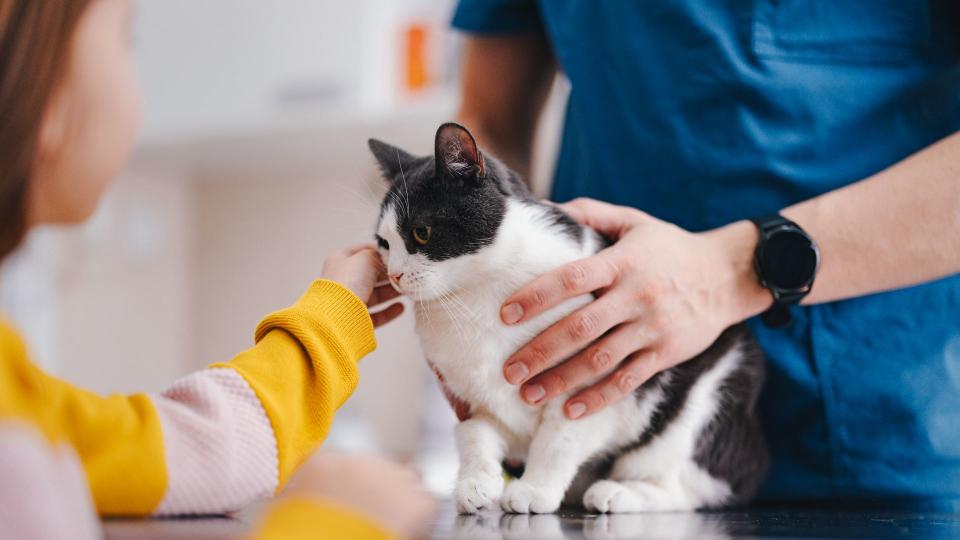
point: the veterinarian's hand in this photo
(663, 295)
(381, 490)
(360, 269)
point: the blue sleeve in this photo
(497, 16)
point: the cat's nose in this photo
(395, 278)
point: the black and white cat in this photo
(459, 233)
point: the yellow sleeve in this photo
(118, 438)
(314, 519)
(304, 367)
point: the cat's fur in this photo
(687, 439)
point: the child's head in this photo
(69, 107)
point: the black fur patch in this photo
(676, 382)
(391, 159)
(459, 193)
(564, 222)
(463, 218)
(731, 447)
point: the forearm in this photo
(217, 439)
(304, 367)
(505, 84)
(234, 433)
(897, 228)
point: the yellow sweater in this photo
(247, 424)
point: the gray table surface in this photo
(759, 523)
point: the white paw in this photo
(523, 498)
(609, 496)
(477, 491)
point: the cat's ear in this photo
(457, 154)
(393, 161)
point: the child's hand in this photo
(381, 490)
(360, 269)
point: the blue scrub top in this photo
(702, 113)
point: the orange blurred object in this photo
(417, 59)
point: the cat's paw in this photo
(477, 492)
(609, 496)
(524, 498)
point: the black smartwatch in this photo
(786, 261)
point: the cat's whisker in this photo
(452, 317)
(452, 310)
(457, 306)
(396, 200)
(351, 227)
(403, 179)
(454, 297)
(464, 330)
(336, 206)
(424, 309)
(365, 213)
(366, 202)
(456, 309)
(446, 291)
(374, 196)
(460, 301)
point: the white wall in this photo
(125, 306)
(107, 304)
(234, 198)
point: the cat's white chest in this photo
(470, 353)
(461, 331)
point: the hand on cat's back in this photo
(663, 295)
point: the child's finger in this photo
(381, 318)
(382, 293)
(353, 250)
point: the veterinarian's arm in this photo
(664, 294)
(898, 228)
(505, 84)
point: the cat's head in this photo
(441, 212)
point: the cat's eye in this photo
(421, 235)
(381, 243)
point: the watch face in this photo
(789, 260)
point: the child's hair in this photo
(35, 38)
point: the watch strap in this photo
(770, 222)
(777, 316)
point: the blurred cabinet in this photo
(213, 66)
